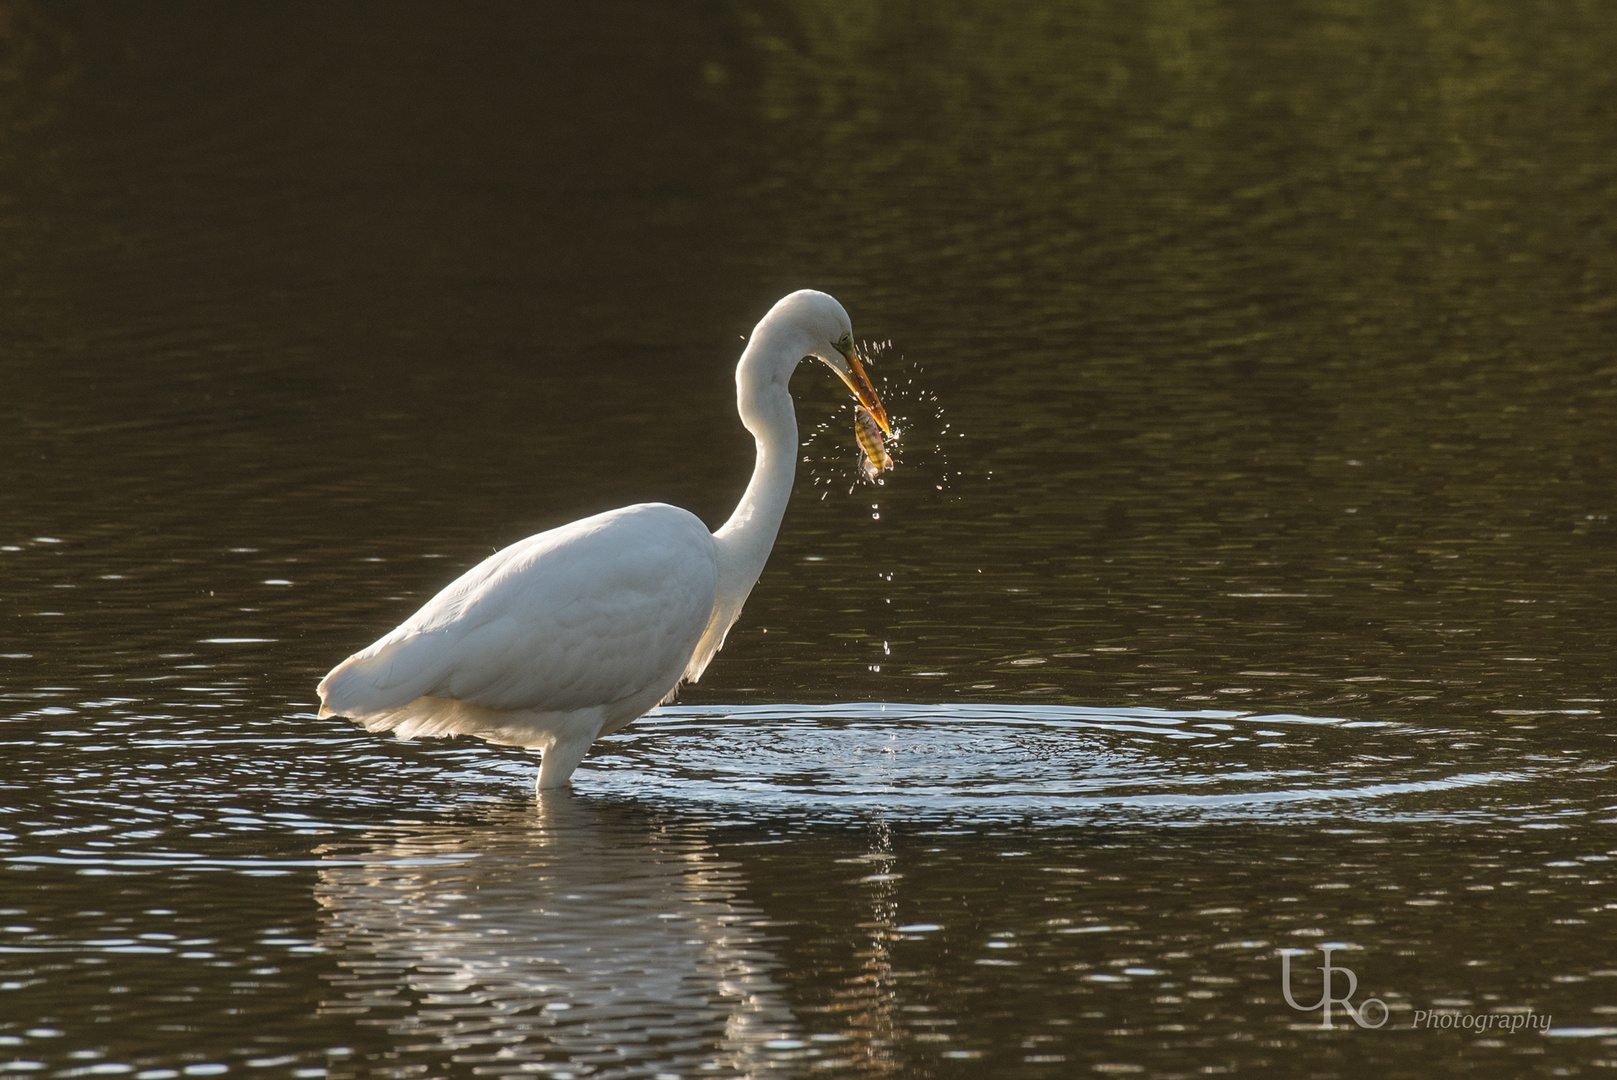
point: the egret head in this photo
(829, 335)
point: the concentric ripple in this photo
(1057, 764)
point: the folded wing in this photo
(604, 610)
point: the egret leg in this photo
(560, 759)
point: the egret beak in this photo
(859, 383)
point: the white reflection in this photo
(560, 939)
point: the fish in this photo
(874, 459)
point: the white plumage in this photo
(573, 633)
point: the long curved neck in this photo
(743, 544)
(744, 541)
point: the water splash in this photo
(918, 443)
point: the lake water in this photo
(1247, 583)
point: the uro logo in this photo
(1360, 1015)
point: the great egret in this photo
(574, 633)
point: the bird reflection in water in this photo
(561, 938)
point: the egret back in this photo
(602, 611)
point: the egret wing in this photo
(581, 616)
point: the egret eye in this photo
(844, 344)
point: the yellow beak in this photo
(859, 383)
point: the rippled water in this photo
(760, 890)
(1245, 583)
(1054, 765)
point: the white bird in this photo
(576, 632)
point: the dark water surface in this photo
(1246, 584)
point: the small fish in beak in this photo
(875, 460)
